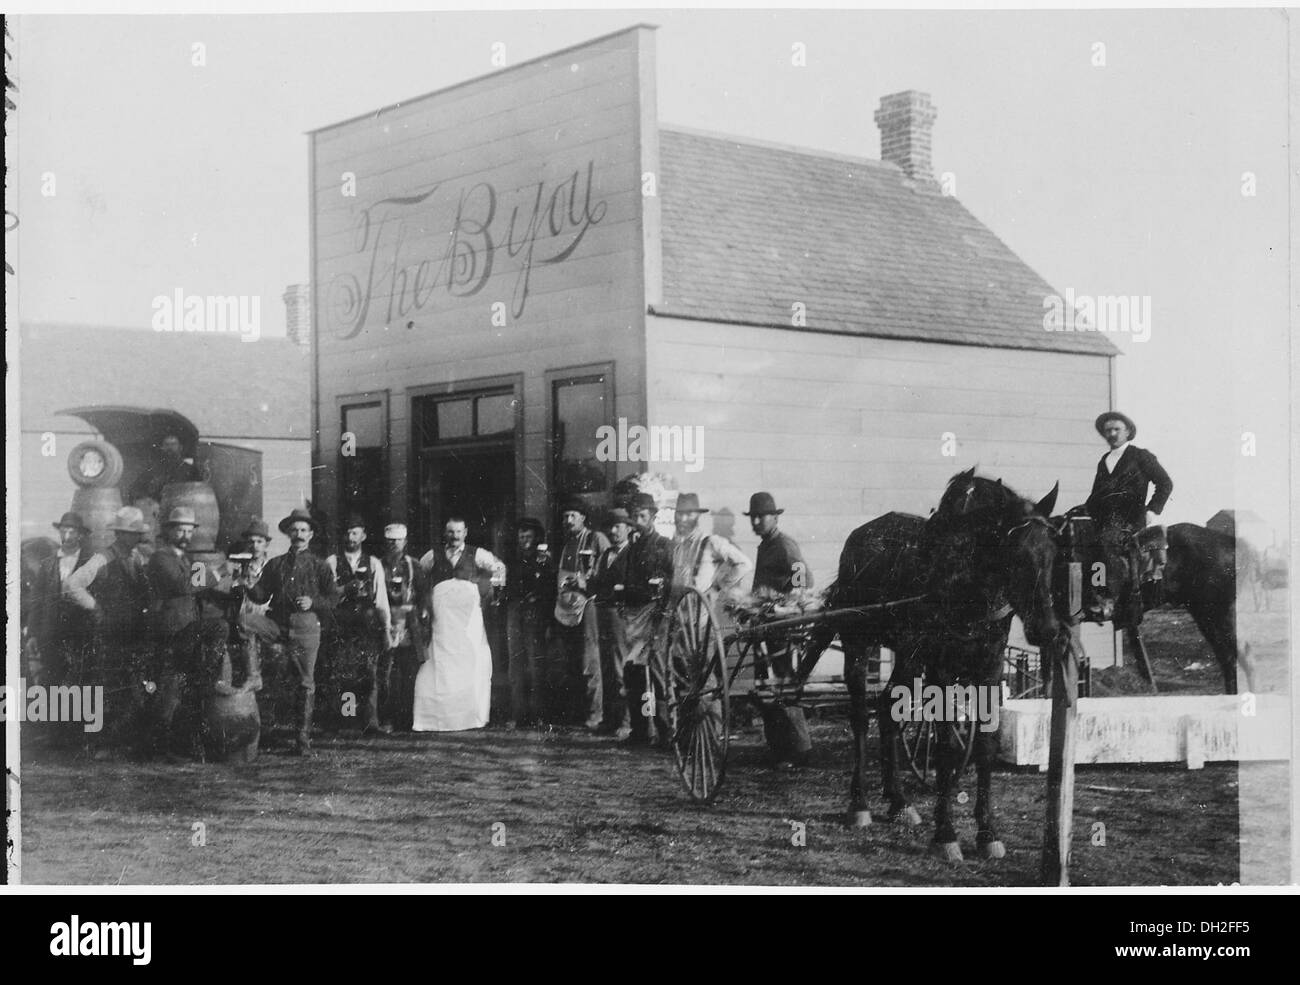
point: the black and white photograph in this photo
(698, 447)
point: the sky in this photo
(1111, 170)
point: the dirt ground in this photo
(555, 806)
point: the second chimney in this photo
(905, 119)
(297, 313)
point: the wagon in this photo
(710, 670)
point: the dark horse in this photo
(955, 636)
(1201, 576)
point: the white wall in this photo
(843, 428)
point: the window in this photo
(363, 460)
(439, 419)
(580, 406)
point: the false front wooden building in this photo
(509, 271)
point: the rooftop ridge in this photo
(787, 148)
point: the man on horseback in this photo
(1119, 505)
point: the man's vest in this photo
(356, 583)
(465, 569)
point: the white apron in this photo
(453, 689)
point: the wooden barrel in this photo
(202, 499)
(97, 505)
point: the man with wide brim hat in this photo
(1114, 415)
(299, 515)
(689, 503)
(713, 565)
(301, 589)
(71, 521)
(1119, 505)
(577, 624)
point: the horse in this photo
(955, 636)
(1201, 576)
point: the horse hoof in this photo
(860, 819)
(948, 851)
(992, 849)
(907, 816)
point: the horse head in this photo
(988, 546)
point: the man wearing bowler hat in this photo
(58, 626)
(1119, 504)
(300, 587)
(609, 574)
(778, 569)
(643, 601)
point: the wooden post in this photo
(1057, 831)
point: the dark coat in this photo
(1119, 498)
(650, 556)
(51, 618)
(174, 602)
(775, 567)
(611, 570)
(290, 575)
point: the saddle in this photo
(1148, 554)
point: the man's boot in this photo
(634, 680)
(306, 701)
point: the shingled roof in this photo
(750, 229)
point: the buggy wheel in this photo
(698, 702)
(921, 745)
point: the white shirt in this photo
(378, 588)
(484, 560)
(721, 564)
(1114, 455)
(66, 564)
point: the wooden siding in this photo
(841, 429)
(565, 125)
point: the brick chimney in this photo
(297, 313)
(905, 119)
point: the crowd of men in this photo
(154, 626)
(143, 623)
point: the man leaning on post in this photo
(299, 587)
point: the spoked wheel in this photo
(698, 705)
(921, 745)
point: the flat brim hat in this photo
(688, 503)
(574, 504)
(129, 520)
(299, 516)
(1114, 415)
(762, 503)
(619, 515)
(256, 528)
(181, 516)
(72, 520)
(643, 501)
(356, 520)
